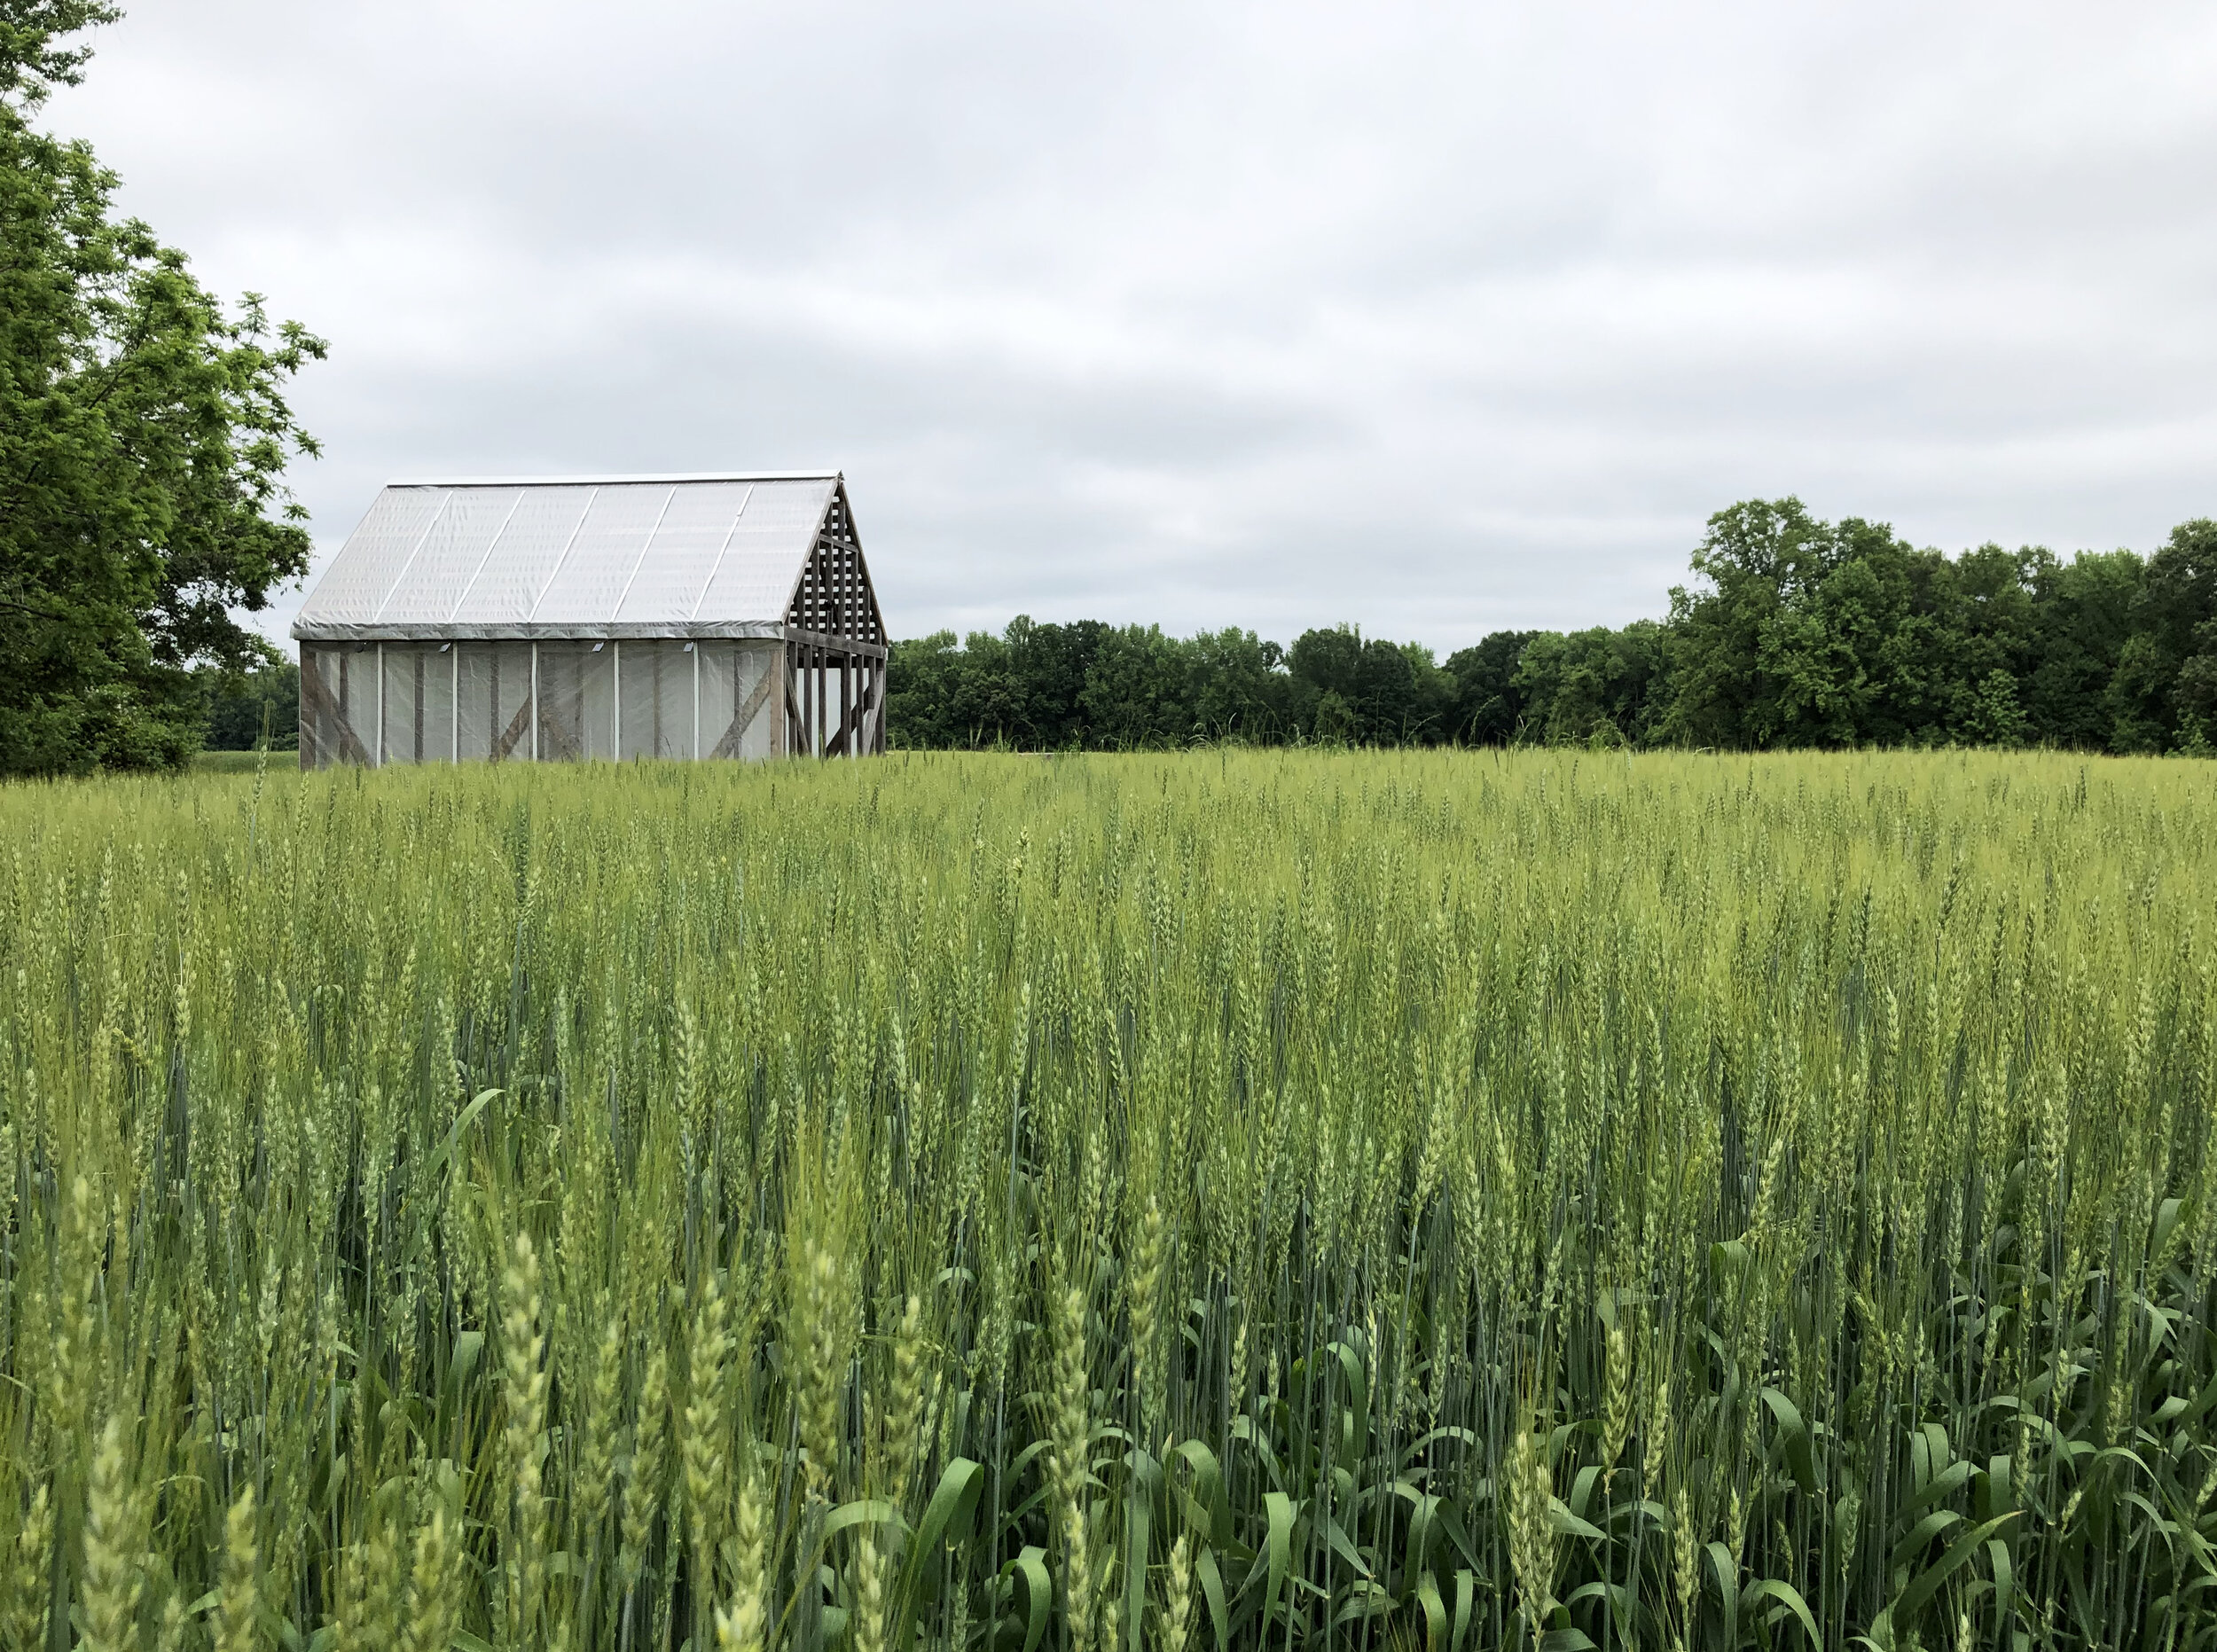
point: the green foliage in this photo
(1816, 634)
(31, 61)
(1597, 687)
(1133, 694)
(1803, 634)
(2167, 677)
(245, 705)
(1090, 687)
(1488, 699)
(1234, 1201)
(142, 433)
(2082, 613)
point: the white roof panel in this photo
(592, 579)
(513, 568)
(353, 587)
(447, 556)
(693, 556)
(694, 531)
(753, 577)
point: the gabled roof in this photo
(617, 556)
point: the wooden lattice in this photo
(834, 598)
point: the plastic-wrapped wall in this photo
(576, 701)
(416, 723)
(742, 700)
(338, 692)
(654, 682)
(483, 702)
(496, 702)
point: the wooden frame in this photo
(834, 630)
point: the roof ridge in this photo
(587, 481)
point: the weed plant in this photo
(994, 1205)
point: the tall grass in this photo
(1104, 1204)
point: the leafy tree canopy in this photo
(144, 435)
(1795, 632)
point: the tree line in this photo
(1794, 632)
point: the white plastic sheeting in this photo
(416, 721)
(654, 700)
(576, 701)
(626, 558)
(495, 701)
(741, 700)
(501, 702)
(338, 688)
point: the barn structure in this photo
(573, 617)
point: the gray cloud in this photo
(1432, 318)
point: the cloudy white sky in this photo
(1434, 318)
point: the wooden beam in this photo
(877, 711)
(505, 747)
(350, 743)
(840, 644)
(780, 730)
(795, 729)
(557, 736)
(853, 724)
(744, 718)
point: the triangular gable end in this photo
(833, 596)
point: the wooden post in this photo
(787, 698)
(846, 744)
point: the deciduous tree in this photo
(143, 435)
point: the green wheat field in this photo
(1228, 1200)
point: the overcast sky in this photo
(1433, 319)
